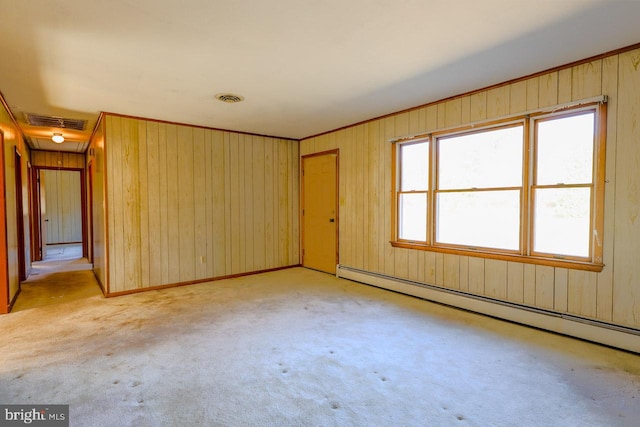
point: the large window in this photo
(527, 189)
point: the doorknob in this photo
(332, 220)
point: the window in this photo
(563, 184)
(528, 189)
(414, 188)
(479, 188)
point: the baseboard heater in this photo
(575, 326)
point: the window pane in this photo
(414, 166)
(488, 219)
(562, 221)
(565, 150)
(487, 159)
(413, 217)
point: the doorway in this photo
(59, 207)
(320, 211)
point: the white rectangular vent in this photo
(55, 122)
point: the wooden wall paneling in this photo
(294, 203)
(465, 109)
(348, 205)
(515, 282)
(439, 267)
(498, 101)
(565, 78)
(359, 193)
(384, 229)
(544, 286)
(305, 146)
(52, 209)
(366, 193)
(209, 194)
(518, 97)
(257, 244)
(626, 305)
(495, 278)
(586, 80)
(431, 118)
(131, 200)
(452, 112)
(476, 275)
(441, 116)
(235, 193)
(164, 202)
(241, 177)
(116, 214)
(342, 196)
(249, 193)
(582, 293)
(143, 200)
(200, 198)
(548, 89)
(154, 189)
(217, 251)
(529, 291)
(561, 294)
(228, 203)
(401, 255)
(270, 228)
(478, 106)
(389, 253)
(626, 292)
(186, 211)
(284, 234)
(73, 209)
(259, 233)
(173, 204)
(451, 271)
(429, 267)
(373, 195)
(605, 278)
(533, 92)
(464, 273)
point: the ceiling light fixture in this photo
(229, 98)
(57, 138)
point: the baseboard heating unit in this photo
(587, 329)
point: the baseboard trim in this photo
(14, 299)
(587, 329)
(193, 282)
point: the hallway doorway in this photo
(64, 275)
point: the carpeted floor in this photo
(301, 348)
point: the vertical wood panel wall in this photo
(95, 166)
(186, 204)
(57, 159)
(13, 140)
(612, 295)
(64, 206)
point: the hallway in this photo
(63, 276)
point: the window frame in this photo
(525, 253)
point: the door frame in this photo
(335, 152)
(35, 191)
(22, 262)
(4, 259)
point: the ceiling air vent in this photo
(55, 122)
(229, 97)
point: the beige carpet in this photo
(301, 348)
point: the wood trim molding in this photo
(106, 113)
(194, 282)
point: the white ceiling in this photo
(304, 67)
